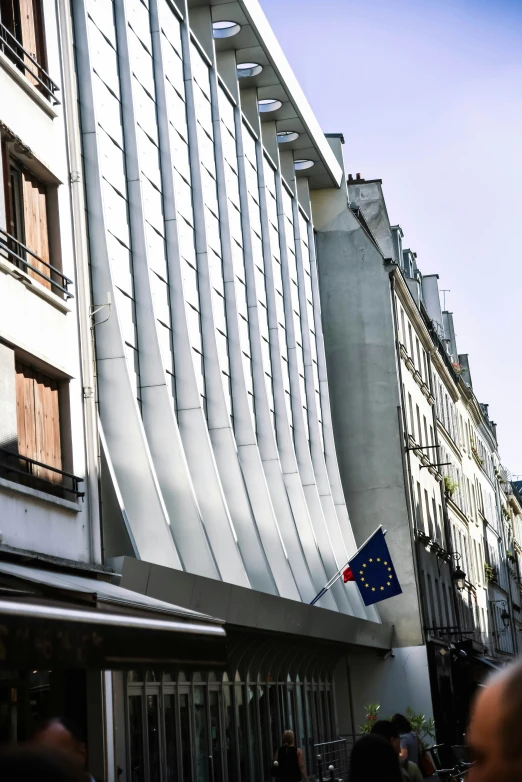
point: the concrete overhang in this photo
(248, 608)
(256, 42)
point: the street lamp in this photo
(504, 615)
(458, 575)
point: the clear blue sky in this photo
(429, 98)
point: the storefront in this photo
(62, 633)
(212, 726)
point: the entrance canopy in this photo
(53, 619)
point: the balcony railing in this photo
(21, 256)
(31, 69)
(27, 471)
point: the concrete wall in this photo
(395, 683)
(360, 353)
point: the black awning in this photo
(117, 628)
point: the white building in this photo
(417, 451)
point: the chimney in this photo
(397, 236)
(431, 298)
(466, 374)
(449, 335)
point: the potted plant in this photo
(449, 485)
(371, 717)
(489, 572)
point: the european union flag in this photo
(373, 571)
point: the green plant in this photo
(489, 572)
(450, 485)
(505, 512)
(371, 717)
(511, 557)
(424, 728)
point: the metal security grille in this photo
(333, 753)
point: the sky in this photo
(429, 98)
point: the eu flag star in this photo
(382, 588)
(373, 589)
(378, 559)
(366, 585)
(371, 560)
(364, 564)
(361, 572)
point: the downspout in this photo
(70, 103)
(406, 455)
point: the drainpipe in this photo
(70, 102)
(406, 455)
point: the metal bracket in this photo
(95, 308)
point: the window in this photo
(412, 354)
(426, 441)
(412, 422)
(33, 444)
(420, 515)
(26, 242)
(419, 365)
(419, 430)
(403, 334)
(23, 42)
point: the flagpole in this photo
(339, 573)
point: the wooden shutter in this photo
(35, 223)
(38, 420)
(31, 23)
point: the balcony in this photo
(39, 476)
(27, 64)
(24, 258)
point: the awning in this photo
(65, 619)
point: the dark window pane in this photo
(153, 736)
(184, 725)
(215, 735)
(136, 738)
(229, 735)
(254, 734)
(274, 718)
(264, 719)
(290, 715)
(170, 738)
(241, 733)
(201, 737)
(301, 735)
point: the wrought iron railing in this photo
(31, 69)
(21, 256)
(27, 471)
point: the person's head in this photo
(288, 738)
(37, 764)
(62, 735)
(388, 731)
(402, 723)
(374, 760)
(494, 730)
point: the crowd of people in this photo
(390, 753)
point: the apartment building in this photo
(62, 621)
(418, 451)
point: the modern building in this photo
(220, 487)
(417, 451)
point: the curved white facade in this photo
(212, 387)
